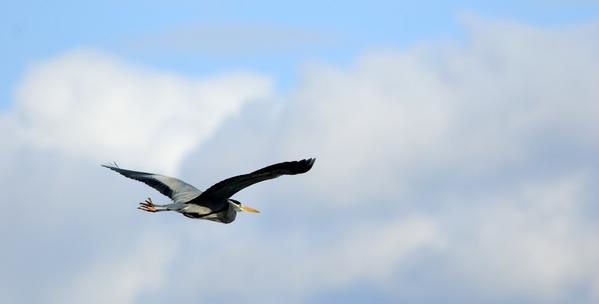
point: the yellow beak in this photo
(248, 209)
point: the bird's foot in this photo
(147, 205)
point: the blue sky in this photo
(456, 149)
(32, 31)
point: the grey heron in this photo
(214, 204)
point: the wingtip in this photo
(110, 166)
(307, 164)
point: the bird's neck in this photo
(229, 214)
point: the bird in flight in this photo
(214, 204)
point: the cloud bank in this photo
(85, 103)
(447, 172)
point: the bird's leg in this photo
(148, 206)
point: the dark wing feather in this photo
(225, 189)
(176, 189)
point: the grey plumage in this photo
(176, 189)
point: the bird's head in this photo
(241, 207)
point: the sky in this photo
(456, 150)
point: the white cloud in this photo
(434, 128)
(399, 114)
(467, 163)
(298, 267)
(530, 241)
(88, 104)
(122, 276)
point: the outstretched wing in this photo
(228, 187)
(176, 189)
